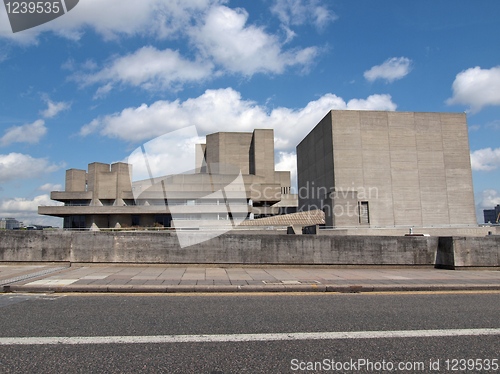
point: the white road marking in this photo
(223, 338)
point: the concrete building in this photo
(105, 197)
(492, 215)
(10, 224)
(387, 169)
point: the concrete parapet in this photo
(33, 246)
(456, 252)
(163, 247)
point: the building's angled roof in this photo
(311, 217)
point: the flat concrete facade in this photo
(105, 197)
(387, 169)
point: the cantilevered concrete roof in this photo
(312, 217)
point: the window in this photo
(163, 220)
(364, 213)
(74, 222)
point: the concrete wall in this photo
(162, 247)
(419, 162)
(411, 168)
(456, 252)
(35, 246)
(229, 148)
(123, 185)
(76, 180)
(315, 174)
(262, 154)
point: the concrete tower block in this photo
(262, 154)
(76, 180)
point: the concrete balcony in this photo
(63, 211)
(65, 196)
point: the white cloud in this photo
(179, 147)
(299, 12)
(226, 110)
(224, 37)
(494, 125)
(19, 205)
(392, 69)
(26, 210)
(476, 88)
(220, 38)
(20, 166)
(372, 102)
(54, 108)
(48, 187)
(113, 18)
(221, 41)
(485, 159)
(29, 133)
(103, 91)
(287, 161)
(489, 199)
(4, 54)
(148, 68)
(486, 199)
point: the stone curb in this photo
(246, 288)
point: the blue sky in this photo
(110, 75)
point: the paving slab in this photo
(175, 278)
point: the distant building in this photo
(492, 215)
(387, 169)
(10, 224)
(104, 196)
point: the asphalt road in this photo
(232, 317)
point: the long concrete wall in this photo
(163, 247)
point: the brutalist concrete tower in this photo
(386, 169)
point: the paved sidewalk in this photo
(10, 273)
(165, 278)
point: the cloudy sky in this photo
(98, 82)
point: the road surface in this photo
(257, 333)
